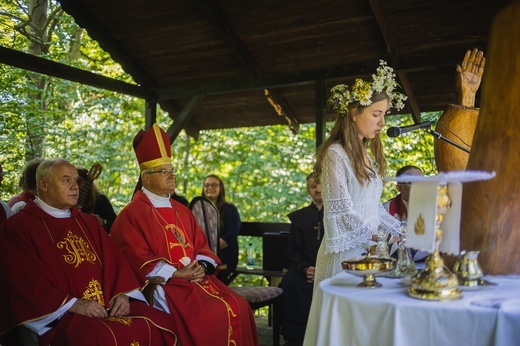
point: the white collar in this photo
(158, 201)
(57, 213)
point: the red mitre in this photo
(152, 148)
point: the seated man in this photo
(162, 238)
(398, 206)
(302, 248)
(63, 277)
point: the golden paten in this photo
(368, 267)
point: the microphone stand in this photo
(439, 136)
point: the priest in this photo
(65, 281)
(161, 237)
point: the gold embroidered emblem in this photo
(94, 292)
(135, 343)
(179, 234)
(78, 250)
(419, 227)
(123, 320)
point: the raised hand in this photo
(469, 76)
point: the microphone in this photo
(395, 131)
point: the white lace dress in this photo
(352, 213)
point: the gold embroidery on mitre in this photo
(135, 343)
(94, 292)
(123, 320)
(419, 227)
(78, 250)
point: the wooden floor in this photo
(265, 333)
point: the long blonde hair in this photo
(344, 132)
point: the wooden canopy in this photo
(219, 64)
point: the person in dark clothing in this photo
(180, 199)
(213, 189)
(302, 248)
(97, 203)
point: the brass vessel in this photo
(368, 267)
(467, 269)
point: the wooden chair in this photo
(258, 297)
(208, 218)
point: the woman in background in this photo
(213, 189)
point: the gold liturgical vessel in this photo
(436, 282)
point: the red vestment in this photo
(397, 208)
(206, 313)
(24, 196)
(47, 261)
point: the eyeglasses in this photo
(214, 185)
(163, 172)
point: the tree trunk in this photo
(35, 134)
(490, 210)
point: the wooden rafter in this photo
(97, 31)
(392, 50)
(218, 19)
(278, 81)
(184, 117)
(282, 109)
(40, 65)
(220, 23)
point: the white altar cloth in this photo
(350, 315)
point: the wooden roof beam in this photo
(412, 100)
(85, 19)
(282, 109)
(50, 68)
(184, 117)
(391, 47)
(273, 82)
(218, 19)
(392, 50)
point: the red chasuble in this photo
(397, 207)
(206, 313)
(46, 261)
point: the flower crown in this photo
(362, 91)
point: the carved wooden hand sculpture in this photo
(469, 76)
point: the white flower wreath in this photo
(362, 91)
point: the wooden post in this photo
(491, 209)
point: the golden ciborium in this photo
(368, 267)
(436, 282)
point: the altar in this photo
(350, 315)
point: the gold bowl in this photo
(368, 267)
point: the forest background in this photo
(263, 168)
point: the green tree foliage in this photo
(263, 169)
